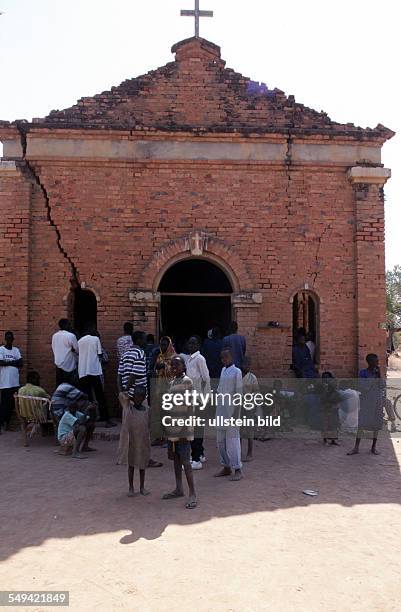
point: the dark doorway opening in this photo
(195, 296)
(305, 314)
(85, 309)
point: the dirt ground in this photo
(259, 544)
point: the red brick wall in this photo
(15, 193)
(370, 272)
(113, 218)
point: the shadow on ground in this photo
(47, 496)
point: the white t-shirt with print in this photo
(63, 343)
(89, 351)
(9, 375)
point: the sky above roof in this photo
(340, 57)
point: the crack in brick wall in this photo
(53, 224)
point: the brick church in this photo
(189, 197)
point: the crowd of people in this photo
(146, 372)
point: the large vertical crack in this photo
(288, 162)
(33, 174)
(317, 255)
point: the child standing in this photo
(228, 437)
(372, 388)
(179, 438)
(250, 387)
(137, 421)
(330, 399)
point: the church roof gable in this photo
(196, 92)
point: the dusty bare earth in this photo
(259, 544)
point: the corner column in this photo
(15, 199)
(367, 183)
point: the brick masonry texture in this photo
(106, 223)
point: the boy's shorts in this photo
(67, 439)
(179, 449)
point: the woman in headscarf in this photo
(164, 376)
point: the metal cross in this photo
(197, 13)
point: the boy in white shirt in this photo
(228, 436)
(10, 365)
(90, 370)
(65, 351)
(198, 372)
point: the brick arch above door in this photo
(197, 244)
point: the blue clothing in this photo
(211, 350)
(237, 344)
(67, 423)
(302, 362)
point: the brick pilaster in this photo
(368, 185)
(15, 197)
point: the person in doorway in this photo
(125, 343)
(90, 371)
(75, 430)
(65, 352)
(137, 422)
(185, 352)
(302, 362)
(149, 346)
(310, 343)
(228, 437)
(132, 373)
(372, 400)
(198, 372)
(179, 438)
(236, 343)
(250, 387)
(211, 350)
(10, 365)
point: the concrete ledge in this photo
(8, 169)
(152, 149)
(366, 174)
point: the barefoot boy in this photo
(137, 422)
(372, 388)
(179, 438)
(228, 437)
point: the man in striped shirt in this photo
(132, 367)
(132, 373)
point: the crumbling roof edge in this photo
(380, 132)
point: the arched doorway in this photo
(84, 309)
(195, 296)
(305, 314)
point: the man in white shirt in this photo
(198, 372)
(10, 365)
(228, 437)
(65, 351)
(90, 371)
